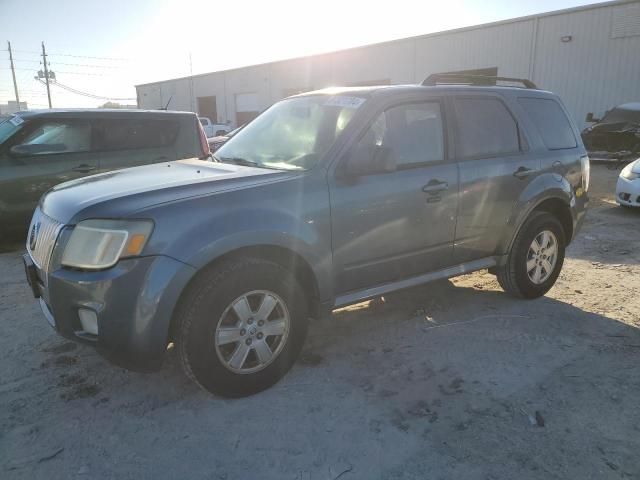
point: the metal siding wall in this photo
(592, 73)
(504, 46)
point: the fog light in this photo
(88, 320)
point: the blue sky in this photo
(107, 47)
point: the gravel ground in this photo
(449, 380)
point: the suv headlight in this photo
(628, 173)
(99, 244)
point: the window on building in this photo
(57, 137)
(134, 134)
(485, 128)
(551, 122)
(413, 132)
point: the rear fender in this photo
(542, 188)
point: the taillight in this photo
(204, 145)
(586, 172)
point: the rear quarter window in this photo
(136, 134)
(551, 121)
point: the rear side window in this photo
(485, 128)
(550, 120)
(136, 134)
(413, 132)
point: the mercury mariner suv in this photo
(326, 199)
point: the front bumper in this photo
(133, 303)
(628, 192)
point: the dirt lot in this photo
(451, 380)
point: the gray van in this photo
(324, 200)
(41, 148)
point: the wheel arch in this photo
(557, 205)
(286, 257)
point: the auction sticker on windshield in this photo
(344, 101)
(16, 120)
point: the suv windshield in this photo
(293, 134)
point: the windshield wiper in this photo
(239, 161)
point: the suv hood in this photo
(123, 192)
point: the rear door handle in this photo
(84, 168)
(435, 186)
(524, 172)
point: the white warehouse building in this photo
(588, 55)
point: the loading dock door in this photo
(246, 107)
(207, 108)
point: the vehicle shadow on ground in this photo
(456, 366)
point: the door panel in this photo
(24, 180)
(495, 168)
(395, 225)
(489, 191)
(385, 227)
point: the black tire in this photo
(201, 310)
(513, 277)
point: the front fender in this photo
(288, 233)
(544, 187)
(287, 215)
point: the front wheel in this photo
(242, 326)
(535, 259)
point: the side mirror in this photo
(19, 151)
(590, 118)
(369, 160)
(36, 149)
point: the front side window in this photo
(293, 134)
(485, 128)
(58, 136)
(413, 133)
(551, 122)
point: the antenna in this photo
(167, 105)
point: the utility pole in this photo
(13, 73)
(46, 73)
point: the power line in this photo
(24, 60)
(87, 94)
(121, 59)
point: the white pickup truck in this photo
(214, 129)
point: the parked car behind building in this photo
(324, 200)
(39, 149)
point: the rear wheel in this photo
(242, 326)
(536, 257)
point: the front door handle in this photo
(84, 168)
(435, 186)
(524, 172)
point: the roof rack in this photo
(473, 80)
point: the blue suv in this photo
(326, 199)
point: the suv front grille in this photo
(41, 238)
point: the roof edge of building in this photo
(525, 18)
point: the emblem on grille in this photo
(33, 235)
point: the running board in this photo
(368, 293)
